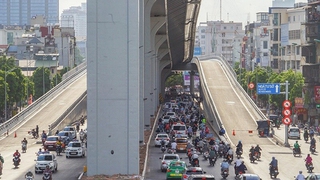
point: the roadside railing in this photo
(24, 115)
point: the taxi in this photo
(182, 144)
(176, 169)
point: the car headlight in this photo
(37, 164)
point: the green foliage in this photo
(78, 58)
(174, 79)
(41, 80)
(56, 80)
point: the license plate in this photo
(73, 153)
(50, 146)
(176, 175)
(177, 171)
(181, 148)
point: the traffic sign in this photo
(251, 85)
(286, 120)
(286, 104)
(286, 112)
(268, 88)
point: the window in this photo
(203, 30)
(275, 50)
(288, 18)
(224, 27)
(223, 34)
(276, 34)
(203, 36)
(265, 54)
(298, 51)
(265, 44)
(294, 18)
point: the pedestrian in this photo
(37, 130)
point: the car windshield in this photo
(52, 138)
(162, 136)
(179, 128)
(74, 145)
(177, 164)
(44, 158)
(294, 130)
(182, 141)
(250, 178)
(62, 134)
(170, 114)
(68, 129)
(170, 157)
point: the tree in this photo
(174, 79)
(56, 79)
(78, 57)
(39, 75)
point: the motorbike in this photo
(312, 149)
(58, 150)
(224, 174)
(24, 147)
(229, 158)
(189, 135)
(310, 167)
(306, 138)
(163, 149)
(296, 152)
(169, 151)
(213, 161)
(206, 155)
(273, 172)
(16, 161)
(33, 133)
(29, 178)
(239, 153)
(252, 158)
(46, 176)
(220, 153)
(195, 163)
(257, 155)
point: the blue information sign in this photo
(197, 51)
(268, 88)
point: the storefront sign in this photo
(317, 93)
(298, 102)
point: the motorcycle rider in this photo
(225, 166)
(212, 154)
(195, 157)
(17, 154)
(258, 149)
(29, 174)
(48, 170)
(308, 160)
(300, 176)
(239, 147)
(230, 153)
(24, 141)
(273, 164)
(296, 147)
(306, 134)
(174, 146)
(312, 143)
(242, 168)
(59, 144)
(251, 152)
(162, 142)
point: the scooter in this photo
(296, 152)
(273, 172)
(46, 176)
(24, 147)
(29, 178)
(239, 153)
(310, 167)
(195, 163)
(224, 174)
(213, 160)
(312, 149)
(163, 149)
(16, 161)
(206, 155)
(58, 150)
(252, 158)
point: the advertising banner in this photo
(298, 102)
(317, 93)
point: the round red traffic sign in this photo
(286, 104)
(286, 120)
(251, 85)
(286, 112)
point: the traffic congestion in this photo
(71, 141)
(189, 147)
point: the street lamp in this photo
(5, 92)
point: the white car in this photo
(165, 119)
(171, 114)
(46, 159)
(179, 128)
(294, 132)
(166, 159)
(159, 137)
(72, 130)
(75, 149)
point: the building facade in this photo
(20, 12)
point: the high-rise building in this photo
(76, 17)
(20, 12)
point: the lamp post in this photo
(5, 92)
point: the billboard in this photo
(284, 34)
(186, 80)
(197, 51)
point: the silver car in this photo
(166, 159)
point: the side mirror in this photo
(160, 157)
(204, 172)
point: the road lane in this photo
(46, 115)
(236, 114)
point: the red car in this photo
(50, 143)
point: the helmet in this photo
(29, 171)
(300, 172)
(239, 141)
(296, 141)
(257, 145)
(47, 166)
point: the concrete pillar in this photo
(192, 82)
(148, 52)
(113, 87)
(141, 57)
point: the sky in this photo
(232, 10)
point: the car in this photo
(166, 159)
(46, 159)
(159, 137)
(192, 170)
(247, 177)
(201, 177)
(294, 132)
(50, 143)
(176, 169)
(313, 176)
(165, 119)
(171, 114)
(72, 130)
(65, 135)
(181, 144)
(75, 149)
(179, 128)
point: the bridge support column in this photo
(113, 87)
(192, 82)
